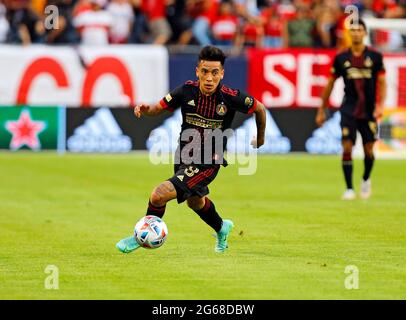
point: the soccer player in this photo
(363, 72)
(206, 104)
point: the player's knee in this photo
(155, 198)
(347, 147)
(195, 203)
(369, 151)
(162, 194)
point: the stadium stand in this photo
(238, 23)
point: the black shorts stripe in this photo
(197, 176)
(205, 174)
(192, 185)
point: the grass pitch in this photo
(293, 237)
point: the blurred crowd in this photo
(234, 23)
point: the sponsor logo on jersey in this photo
(359, 73)
(197, 120)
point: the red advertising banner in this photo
(296, 77)
(116, 75)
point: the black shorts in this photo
(367, 128)
(192, 180)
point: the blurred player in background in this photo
(363, 72)
(206, 105)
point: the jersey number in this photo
(190, 171)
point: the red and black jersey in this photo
(360, 74)
(202, 112)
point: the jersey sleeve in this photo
(239, 100)
(335, 70)
(173, 99)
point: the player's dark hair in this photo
(211, 53)
(360, 22)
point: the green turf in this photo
(293, 236)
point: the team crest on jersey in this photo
(221, 109)
(248, 101)
(368, 62)
(191, 103)
(168, 97)
(346, 131)
(347, 64)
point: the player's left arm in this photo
(381, 96)
(245, 103)
(381, 83)
(260, 119)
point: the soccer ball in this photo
(150, 232)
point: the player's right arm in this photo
(170, 102)
(148, 110)
(334, 74)
(321, 112)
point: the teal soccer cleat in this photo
(127, 245)
(221, 242)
